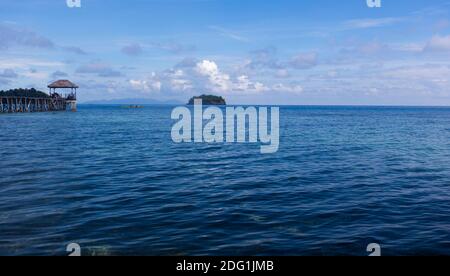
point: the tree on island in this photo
(26, 93)
(208, 100)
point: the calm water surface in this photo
(112, 180)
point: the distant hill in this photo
(30, 93)
(136, 101)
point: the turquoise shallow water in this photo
(112, 180)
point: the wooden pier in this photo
(21, 104)
(27, 101)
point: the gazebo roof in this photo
(63, 84)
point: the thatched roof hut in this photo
(62, 84)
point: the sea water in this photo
(113, 181)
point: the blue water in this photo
(112, 180)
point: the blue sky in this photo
(249, 51)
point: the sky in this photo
(271, 52)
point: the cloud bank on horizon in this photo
(255, 52)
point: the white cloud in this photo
(172, 47)
(145, 85)
(59, 74)
(282, 73)
(8, 74)
(229, 34)
(294, 89)
(304, 61)
(178, 80)
(371, 22)
(34, 74)
(244, 84)
(132, 50)
(420, 73)
(25, 63)
(438, 44)
(218, 82)
(202, 77)
(12, 35)
(100, 69)
(207, 68)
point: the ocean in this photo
(112, 180)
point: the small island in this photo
(24, 93)
(208, 100)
